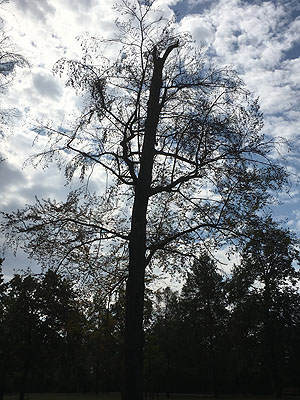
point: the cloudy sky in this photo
(260, 39)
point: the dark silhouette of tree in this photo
(23, 322)
(41, 326)
(63, 329)
(164, 345)
(244, 327)
(263, 289)
(180, 141)
(3, 331)
(214, 328)
(103, 346)
(205, 305)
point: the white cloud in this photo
(38, 9)
(166, 3)
(227, 259)
(10, 176)
(247, 29)
(83, 5)
(200, 28)
(46, 85)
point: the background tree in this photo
(164, 346)
(103, 343)
(3, 329)
(77, 337)
(41, 334)
(62, 328)
(23, 323)
(180, 142)
(205, 305)
(244, 328)
(264, 286)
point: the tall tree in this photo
(180, 142)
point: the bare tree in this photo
(180, 142)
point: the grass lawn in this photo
(65, 396)
(117, 396)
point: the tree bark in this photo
(3, 372)
(134, 334)
(23, 381)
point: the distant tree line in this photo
(220, 334)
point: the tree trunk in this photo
(134, 334)
(3, 372)
(24, 381)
